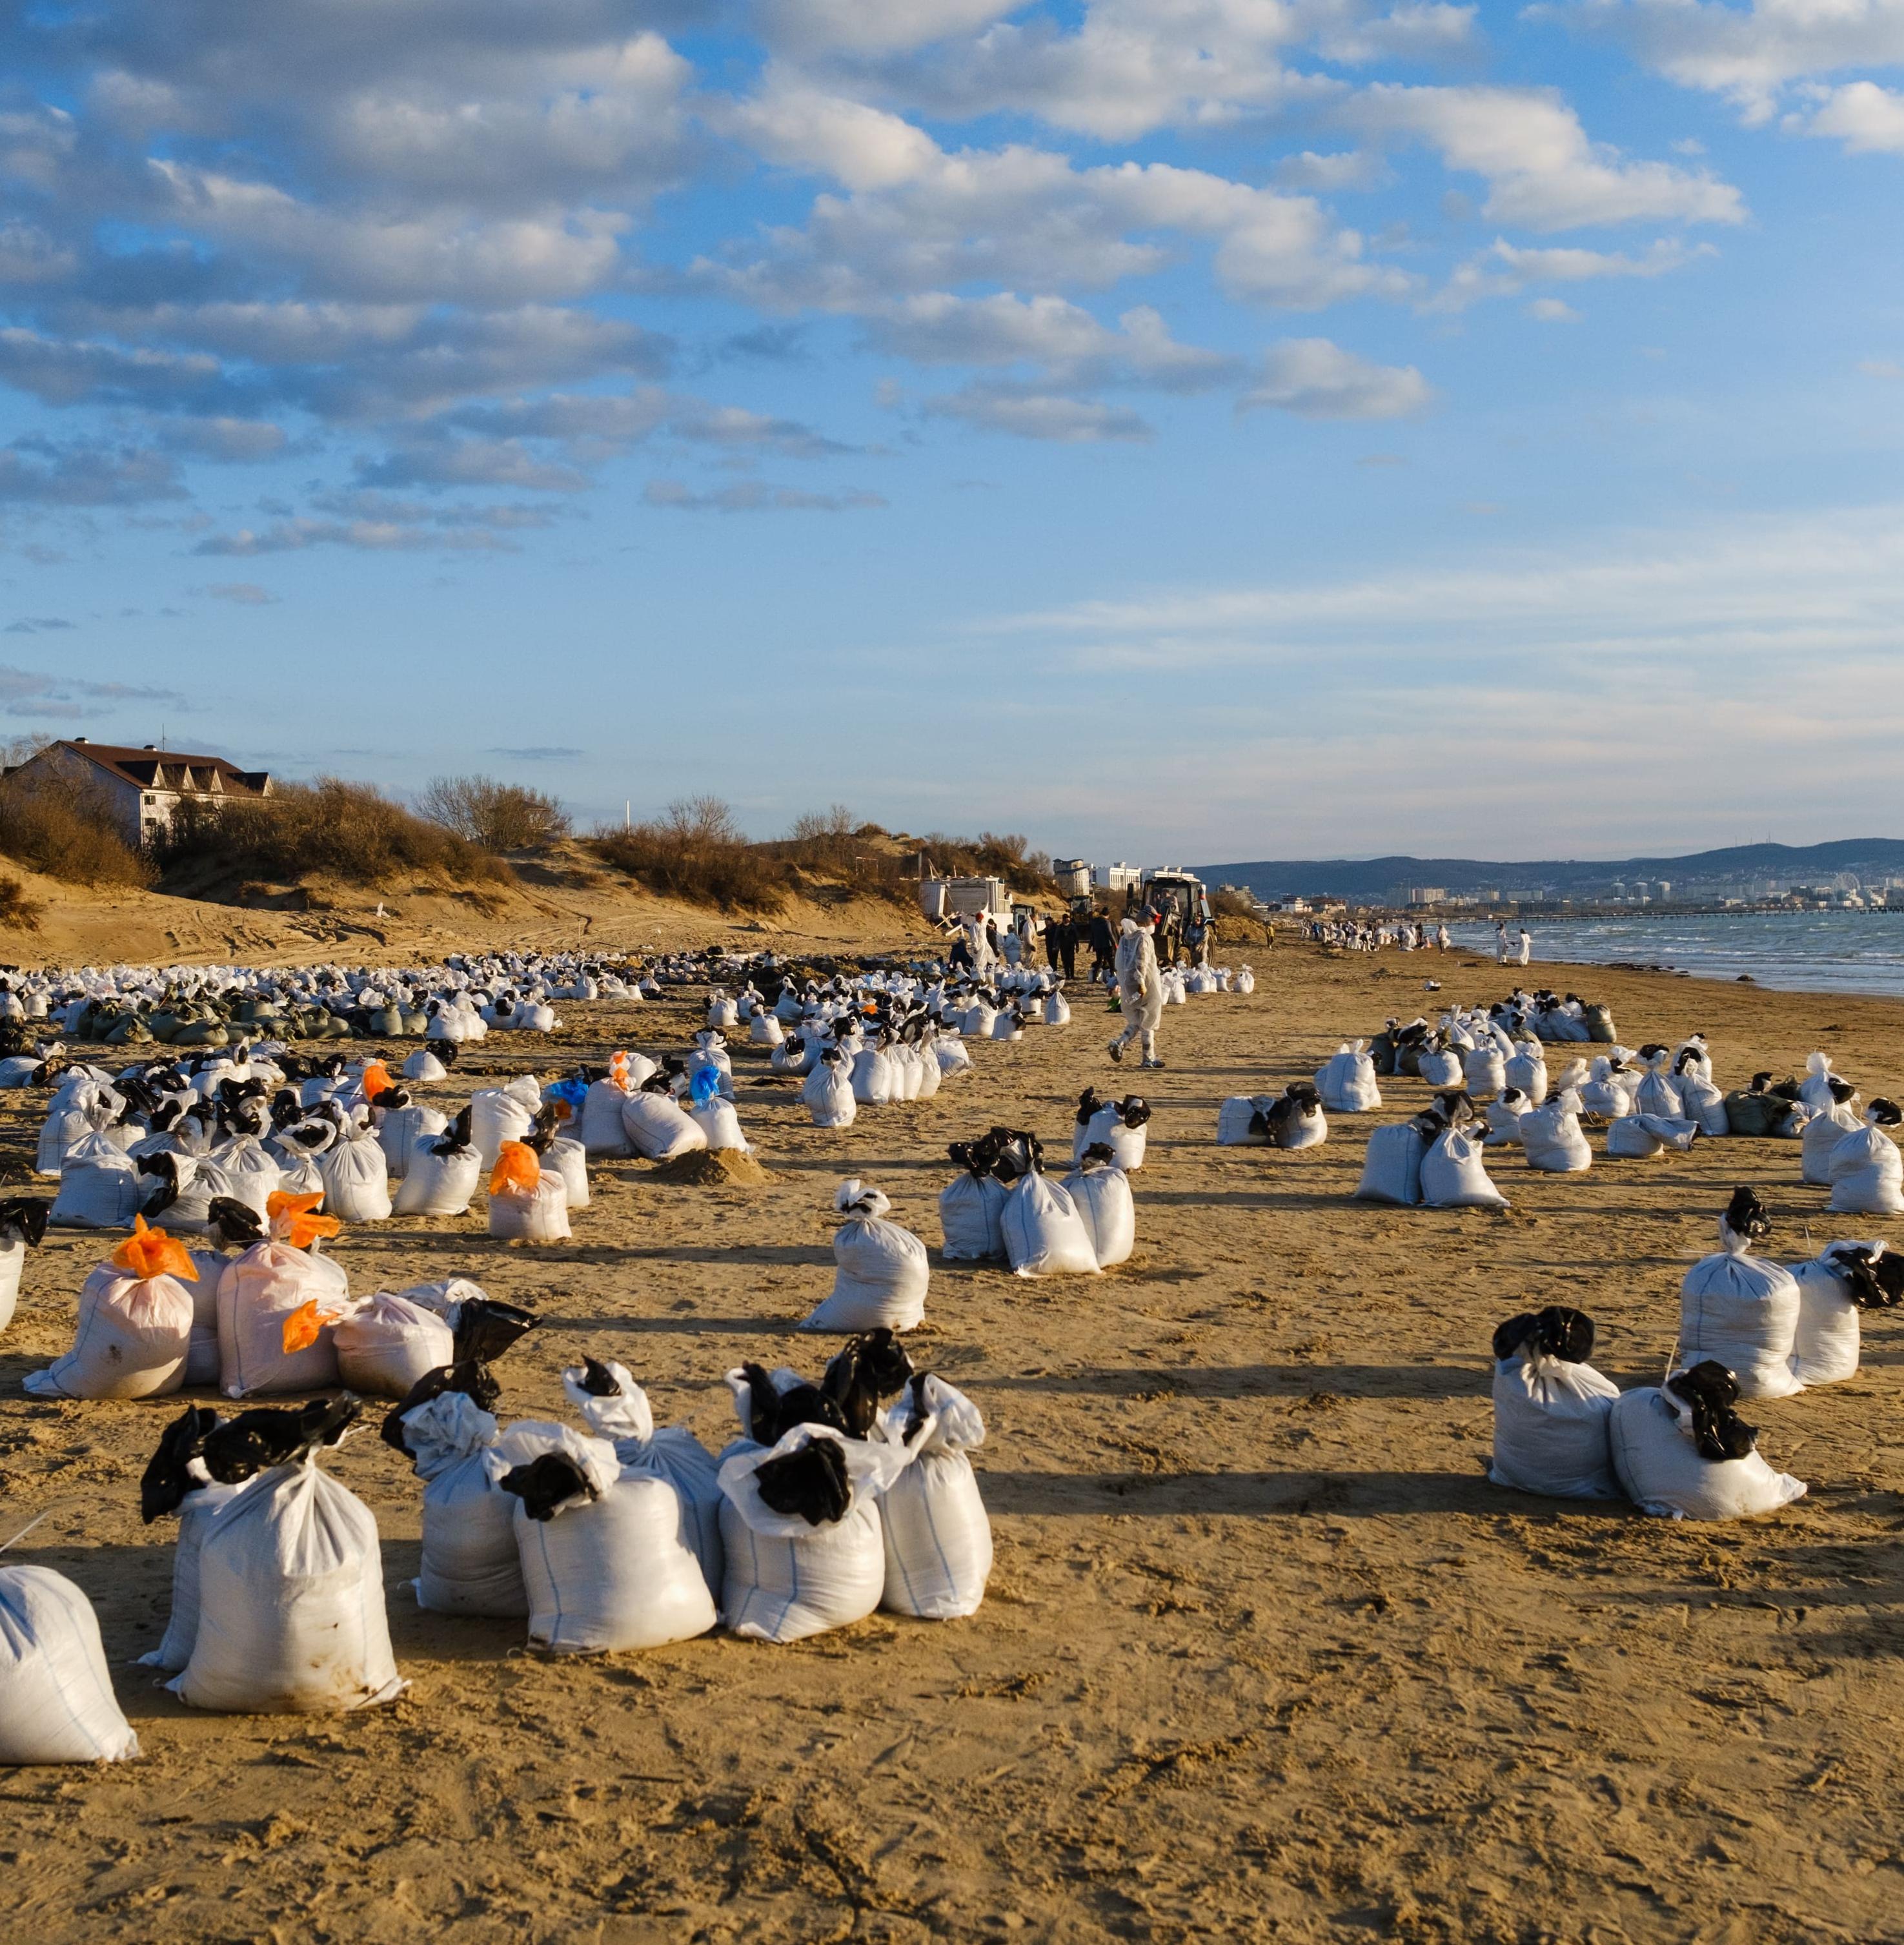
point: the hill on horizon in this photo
(1375, 878)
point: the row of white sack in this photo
(1041, 1227)
(1425, 1163)
(278, 1603)
(1562, 1429)
(277, 1318)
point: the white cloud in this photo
(803, 126)
(1030, 412)
(1317, 380)
(1867, 119)
(1542, 171)
(939, 328)
(1551, 310)
(1505, 269)
(1331, 174)
(810, 26)
(1023, 215)
(1747, 54)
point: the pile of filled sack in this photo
(837, 1498)
(1494, 1092)
(1748, 1328)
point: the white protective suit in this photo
(1140, 989)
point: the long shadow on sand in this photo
(1357, 1495)
(1237, 1381)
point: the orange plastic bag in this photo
(517, 1167)
(151, 1253)
(376, 1079)
(293, 1220)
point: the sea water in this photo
(1799, 951)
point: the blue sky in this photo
(1208, 428)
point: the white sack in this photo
(57, 1704)
(1661, 1471)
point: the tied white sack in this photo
(385, 1344)
(1826, 1341)
(1551, 1136)
(609, 1568)
(1101, 1191)
(57, 1704)
(875, 1083)
(950, 1053)
(882, 1270)
(1605, 1094)
(670, 1452)
(1242, 1121)
(1638, 1137)
(196, 1515)
(257, 1294)
(720, 1125)
(1123, 1126)
(247, 1165)
(133, 1335)
(1504, 1114)
(1392, 1165)
(1702, 1102)
(441, 1179)
(1867, 1172)
(99, 1188)
(356, 1182)
(290, 1602)
(398, 1131)
(1440, 1069)
(520, 1212)
(1743, 1312)
(1525, 1069)
(1823, 1132)
(1658, 1092)
(657, 1127)
(565, 1155)
(1346, 1080)
(788, 1576)
(1551, 1419)
(1044, 1233)
(1454, 1176)
(506, 1114)
(1661, 1472)
(1815, 1090)
(764, 1029)
(1057, 1009)
(22, 1226)
(827, 1092)
(470, 1563)
(604, 1132)
(939, 1542)
(1484, 1070)
(970, 1207)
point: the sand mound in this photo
(713, 1168)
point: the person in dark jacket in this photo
(1054, 942)
(1067, 943)
(1103, 944)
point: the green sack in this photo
(1756, 1115)
(1600, 1026)
(1381, 1051)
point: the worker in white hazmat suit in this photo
(1140, 986)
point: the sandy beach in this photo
(1264, 1656)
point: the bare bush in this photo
(498, 816)
(16, 908)
(696, 851)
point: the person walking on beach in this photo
(1103, 948)
(1526, 947)
(1503, 954)
(1140, 989)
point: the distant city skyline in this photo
(1171, 428)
